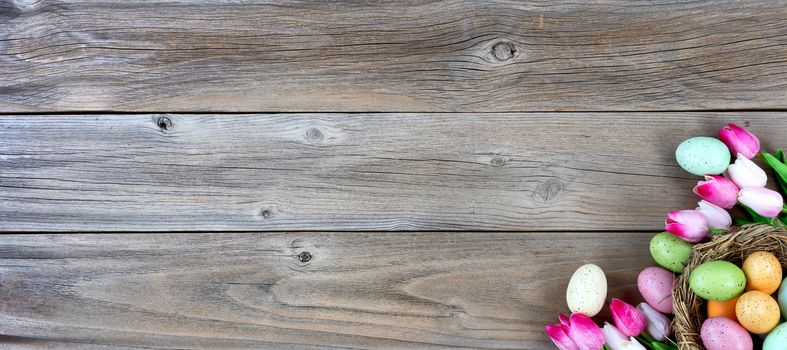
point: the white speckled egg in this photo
(587, 290)
(703, 156)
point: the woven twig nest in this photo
(734, 246)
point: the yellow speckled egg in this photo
(757, 312)
(763, 272)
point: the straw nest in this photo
(734, 246)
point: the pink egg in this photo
(655, 285)
(721, 333)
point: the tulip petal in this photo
(615, 340)
(627, 318)
(739, 140)
(717, 190)
(585, 333)
(717, 216)
(763, 201)
(658, 325)
(745, 173)
(560, 338)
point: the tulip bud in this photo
(617, 341)
(577, 333)
(690, 225)
(740, 140)
(658, 325)
(627, 318)
(763, 201)
(718, 190)
(717, 216)
(560, 338)
(745, 173)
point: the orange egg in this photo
(723, 308)
(757, 312)
(763, 272)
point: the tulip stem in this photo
(784, 209)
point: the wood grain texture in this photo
(216, 55)
(518, 172)
(223, 290)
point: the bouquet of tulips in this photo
(725, 184)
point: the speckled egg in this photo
(587, 290)
(719, 333)
(670, 252)
(717, 280)
(757, 312)
(703, 156)
(763, 272)
(783, 298)
(655, 286)
(776, 339)
(724, 308)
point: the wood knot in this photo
(503, 51)
(548, 190)
(304, 257)
(498, 161)
(314, 135)
(266, 213)
(164, 123)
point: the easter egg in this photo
(776, 339)
(703, 156)
(763, 272)
(724, 308)
(719, 333)
(655, 286)
(670, 252)
(587, 290)
(717, 280)
(783, 298)
(757, 312)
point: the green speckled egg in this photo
(670, 252)
(776, 339)
(717, 280)
(703, 156)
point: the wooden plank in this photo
(216, 55)
(251, 290)
(531, 172)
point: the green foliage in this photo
(779, 168)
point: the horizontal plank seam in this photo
(655, 111)
(478, 231)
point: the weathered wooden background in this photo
(210, 174)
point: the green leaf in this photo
(778, 167)
(662, 346)
(716, 231)
(780, 155)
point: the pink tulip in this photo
(763, 201)
(740, 140)
(617, 341)
(717, 216)
(718, 190)
(577, 333)
(658, 325)
(745, 173)
(627, 318)
(690, 225)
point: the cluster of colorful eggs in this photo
(741, 301)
